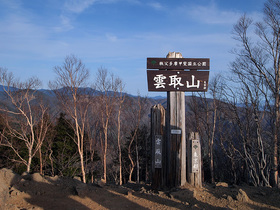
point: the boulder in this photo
(221, 184)
(37, 177)
(8, 177)
(82, 189)
(242, 196)
(4, 194)
(26, 176)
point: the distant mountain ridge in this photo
(49, 97)
(51, 93)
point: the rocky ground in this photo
(32, 191)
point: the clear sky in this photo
(119, 35)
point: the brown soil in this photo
(37, 192)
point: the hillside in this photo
(32, 191)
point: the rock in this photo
(52, 179)
(195, 206)
(129, 192)
(14, 192)
(161, 193)
(25, 183)
(195, 193)
(221, 184)
(224, 196)
(4, 194)
(242, 196)
(143, 190)
(37, 177)
(82, 189)
(101, 183)
(26, 176)
(229, 198)
(77, 178)
(9, 177)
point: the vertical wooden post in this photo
(158, 146)
(194, 160)
(176, 135)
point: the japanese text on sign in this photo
(178, 63)
(177, 80)
(195, 156)
(181, 63)
(158, 151)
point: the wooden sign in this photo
(188, 81)
(178, 63)
(195, 156)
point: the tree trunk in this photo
(212, 143)
(119, 145)
(83, 167)
(41, 161)
(275, 143)
(29, 160)
(137, 163)
(132, 164)
(105, 152)
(50, 157)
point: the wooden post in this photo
(194, 160)
(176, 135)
(158, 146)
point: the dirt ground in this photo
(37, 192)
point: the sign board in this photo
(178, 63)
(195, 156)
(188, 81)
(176, 131)
(158, 151)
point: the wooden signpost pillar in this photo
(176, 135)
(158, 146)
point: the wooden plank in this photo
(178, 63)
(187, 81)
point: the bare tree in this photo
(41, 130)
(92, 131)
(206, 112)
(249, 121)
(136, 114)
(132, 139)
(71, 89)
(121, 99)
(262, 59)
(25, 117)
(108, 85)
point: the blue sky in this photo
(36, 35)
